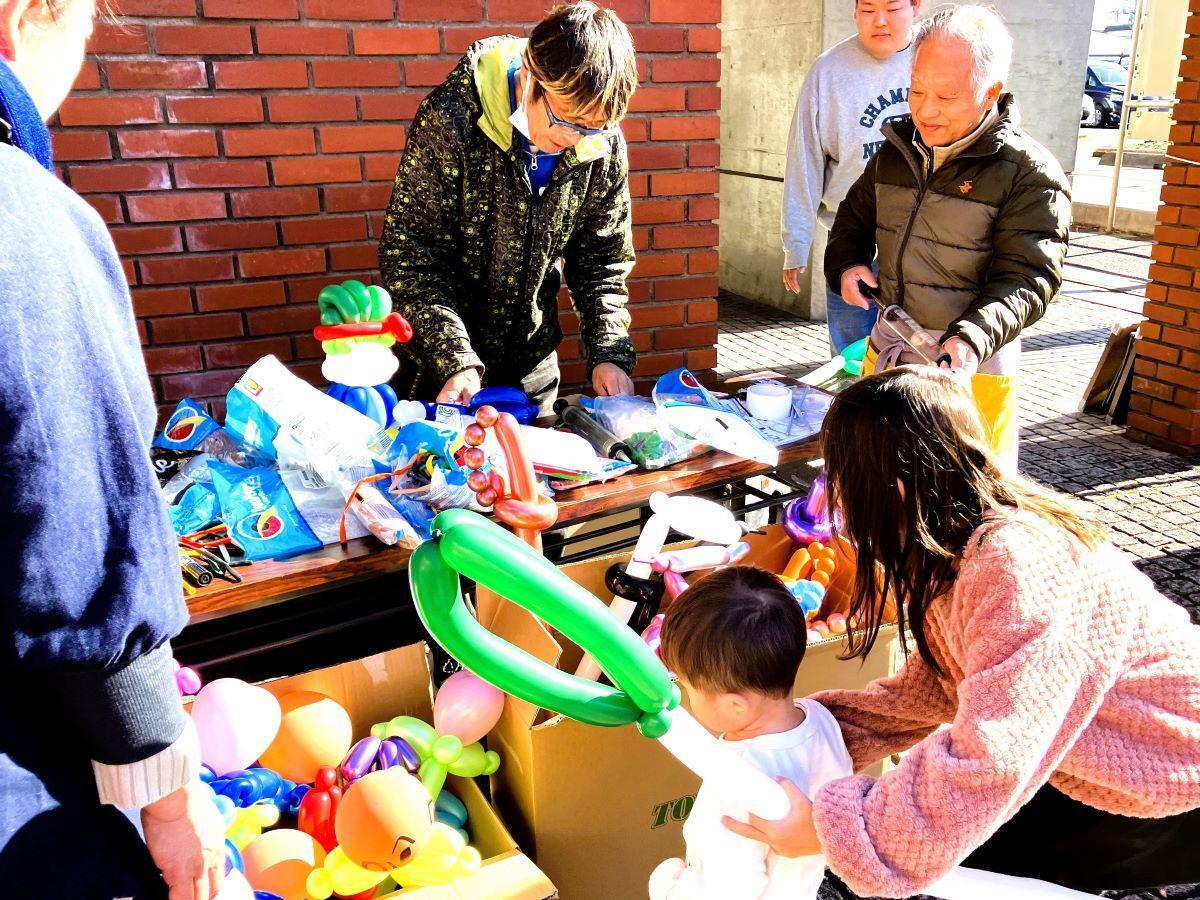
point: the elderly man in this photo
(970, 216)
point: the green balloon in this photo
(466, 542)
(334, 298)
(440, 754)
(381, 303)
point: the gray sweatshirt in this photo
(846, 98)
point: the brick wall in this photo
(1165, 407)
(242, 152)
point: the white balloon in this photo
(367, 365)
(696, 517)
(235, 887)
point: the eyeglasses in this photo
(571, 126)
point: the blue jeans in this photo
(847, 323)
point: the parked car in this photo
(1103, 93)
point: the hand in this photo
(609, 380)
(186, 839)
(460, 388)
(791, 278)
(793, 835)
(850, 291)
(963, 358)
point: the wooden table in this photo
(272, 582)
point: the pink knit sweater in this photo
(1062, 665)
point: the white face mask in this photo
(520, 116)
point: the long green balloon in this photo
(467, 542)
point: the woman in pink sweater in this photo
(1071, 687)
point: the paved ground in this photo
(1150, 499)
(1091, 182)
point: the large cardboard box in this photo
(397, 683)
(599, 808)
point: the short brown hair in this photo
(584, 54)
(738, 629)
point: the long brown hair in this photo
(911, 472)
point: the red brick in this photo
(667, 184)
(686, 11)
(310, 107)
(641, 239)
(221, 173)
(521, 11)
(155, 75)
(160, 142)
(275, 202)
(198, 384)
(306, 288)
(1156, 291)
(673, 237)
(427, 73)
(130, 269)
(341, 10)
(459, 38)
(353, 256)
(195, 39)
(316, 169)
(656, 39)
(1146, 425)
(700, 358)
(685, 337)
(117, 177)
(655, 156)
(223, 109)
(351, 198)
(651, 212)
(1149, 349)
(283, 321)
(639, 186)
(658, 363)
(151, 239)
(658, 99)
(704, 40)
(361, 138)
(1169, 214)
(381, 167)
(703, 98)
(645, 316)
(703, 209)
(190, 329)
(251, 9)
(702, 311)
(241, 354)
(275, 73)
(1180, 377)
(1183, 196)
(1149, 331)
(325, 230)
(109, 111)
(701, 288)
(1148, 388)
(1180, 337)
(687, 69)
(703, 263)
(1173, 234)
(108, 206)
(356, 73)
(268, 263)
(635, 129)
(88, 78)
(685, 128)
(1171, 413)
(1181, 297)
(375, 223)
(111, 37)
(441, 10)
(392, 105)
(231, 236)
(70, 146)
(168, 360)
(629, 11)
(395, 41)
(658, 265)
(185, 270)
(151, 8)
(302, 40)
(219, 297)
(176, 207)
(269, 141)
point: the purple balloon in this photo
(409, 758)
(803, 528)
(187, 680)
(361, 759)
(388, 756)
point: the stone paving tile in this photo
(1150, 500)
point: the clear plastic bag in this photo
(652, 442)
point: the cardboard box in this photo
(599, 808)
(395, 683)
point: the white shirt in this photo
(724, 866)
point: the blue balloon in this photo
(207, 775)
(233, 857)
(266, 895)
(375, 408)
(336, 391)
(388, 396)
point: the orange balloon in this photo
(384, 819)
(797, 566)
(821, 578)
(279, 861)
(824, 564)
(815, 548)
(315, 731)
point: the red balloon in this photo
(522, 514)
(478, 481)
(474, 458)
(486, 497)
(486, 416)
(318, 809)
(496, 483)
(474, 434)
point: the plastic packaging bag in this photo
(321, 505)
(652, 442)
(260, 513)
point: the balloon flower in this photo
(807, 520)
(357, 330)
(641, 693)
(441, 754)
(372, 754)
(525, 509)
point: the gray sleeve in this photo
(804, 175)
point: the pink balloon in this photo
(467, 707)
(236, 722)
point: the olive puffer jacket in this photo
(471, 257)
(976, 249)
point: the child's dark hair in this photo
(738, 629)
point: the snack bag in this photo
(187, 428)
(260, 513)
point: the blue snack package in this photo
(249, 423)
(196, 508)
(260, 513)
(187, 428)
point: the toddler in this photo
(736, 639)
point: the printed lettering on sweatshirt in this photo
(876, 109)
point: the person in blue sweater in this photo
(90, 719)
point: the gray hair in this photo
(984, 33)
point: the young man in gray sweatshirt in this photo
(850, 92)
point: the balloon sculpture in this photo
(372, 754)
(357, 329)
(526, 509)
(467, 543)
(807, 520)
(441, 754)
